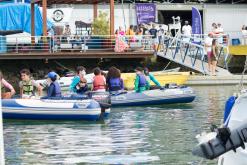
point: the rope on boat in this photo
(241, 83)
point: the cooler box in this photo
(235, 41)
(3, 44)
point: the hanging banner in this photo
(196, 21)
(145, 12)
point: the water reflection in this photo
(135, 135)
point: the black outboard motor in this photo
(224, 141)
(103, 98)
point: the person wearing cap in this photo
(141, 84)
(150, 77)
(54, 89)
(80, 73)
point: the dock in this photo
(215, 80)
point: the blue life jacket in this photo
(54, 90)
(142, 81)
(114, 84)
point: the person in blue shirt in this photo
(113, 80)
(54, 89)
(80, 73)
(150, 77)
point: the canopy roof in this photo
(50, 2)
(18, 17)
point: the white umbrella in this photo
(2, 162)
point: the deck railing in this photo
(52, 44)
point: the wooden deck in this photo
(75, 55)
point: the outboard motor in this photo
(223, 141)
(171, 86)
(103, 98)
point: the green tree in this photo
(101, 25)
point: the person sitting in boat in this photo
(27, 85)
(99, 81)
(150, 77)
(54, 89)
(82, 86)
(141, 83)
(4, 84)
(80, 73)
(113, 80)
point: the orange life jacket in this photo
(98, 82)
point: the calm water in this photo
(139, 135)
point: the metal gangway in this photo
(190, 52)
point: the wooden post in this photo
(44, 14)
(111, 17)
(95, 10)
(32, 23)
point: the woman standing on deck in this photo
(5, 84)
(120, 44)
(214, 55)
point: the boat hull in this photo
(52, 109)
(154, 97)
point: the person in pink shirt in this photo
(6, 85)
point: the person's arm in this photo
(152, 78)
(39, 88)
(75, 81)
(9, 86)
(214, 52)
(121, 84)
(136, 84)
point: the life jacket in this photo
(81, 90)
(27, 87)
(114, 84)
(142, 81)
(98, 82)
(57, 91)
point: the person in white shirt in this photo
(244, 33)
(186, 29)
(208, 49)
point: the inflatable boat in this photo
(53, 109)
(227, 142)
(154, 97)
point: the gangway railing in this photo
(191, 54)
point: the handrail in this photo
(82, 43)
(187, 49)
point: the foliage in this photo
(101, 25)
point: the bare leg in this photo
(214, 67)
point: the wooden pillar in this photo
(44, 15)
(111, 17)
(32, 23)
(95, 10)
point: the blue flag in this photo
(196, 21)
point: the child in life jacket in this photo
(6, 85)
(82, 86)
(54, 89)
(27, 85)
(99, 81)
(141, 84)
(114, 81)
